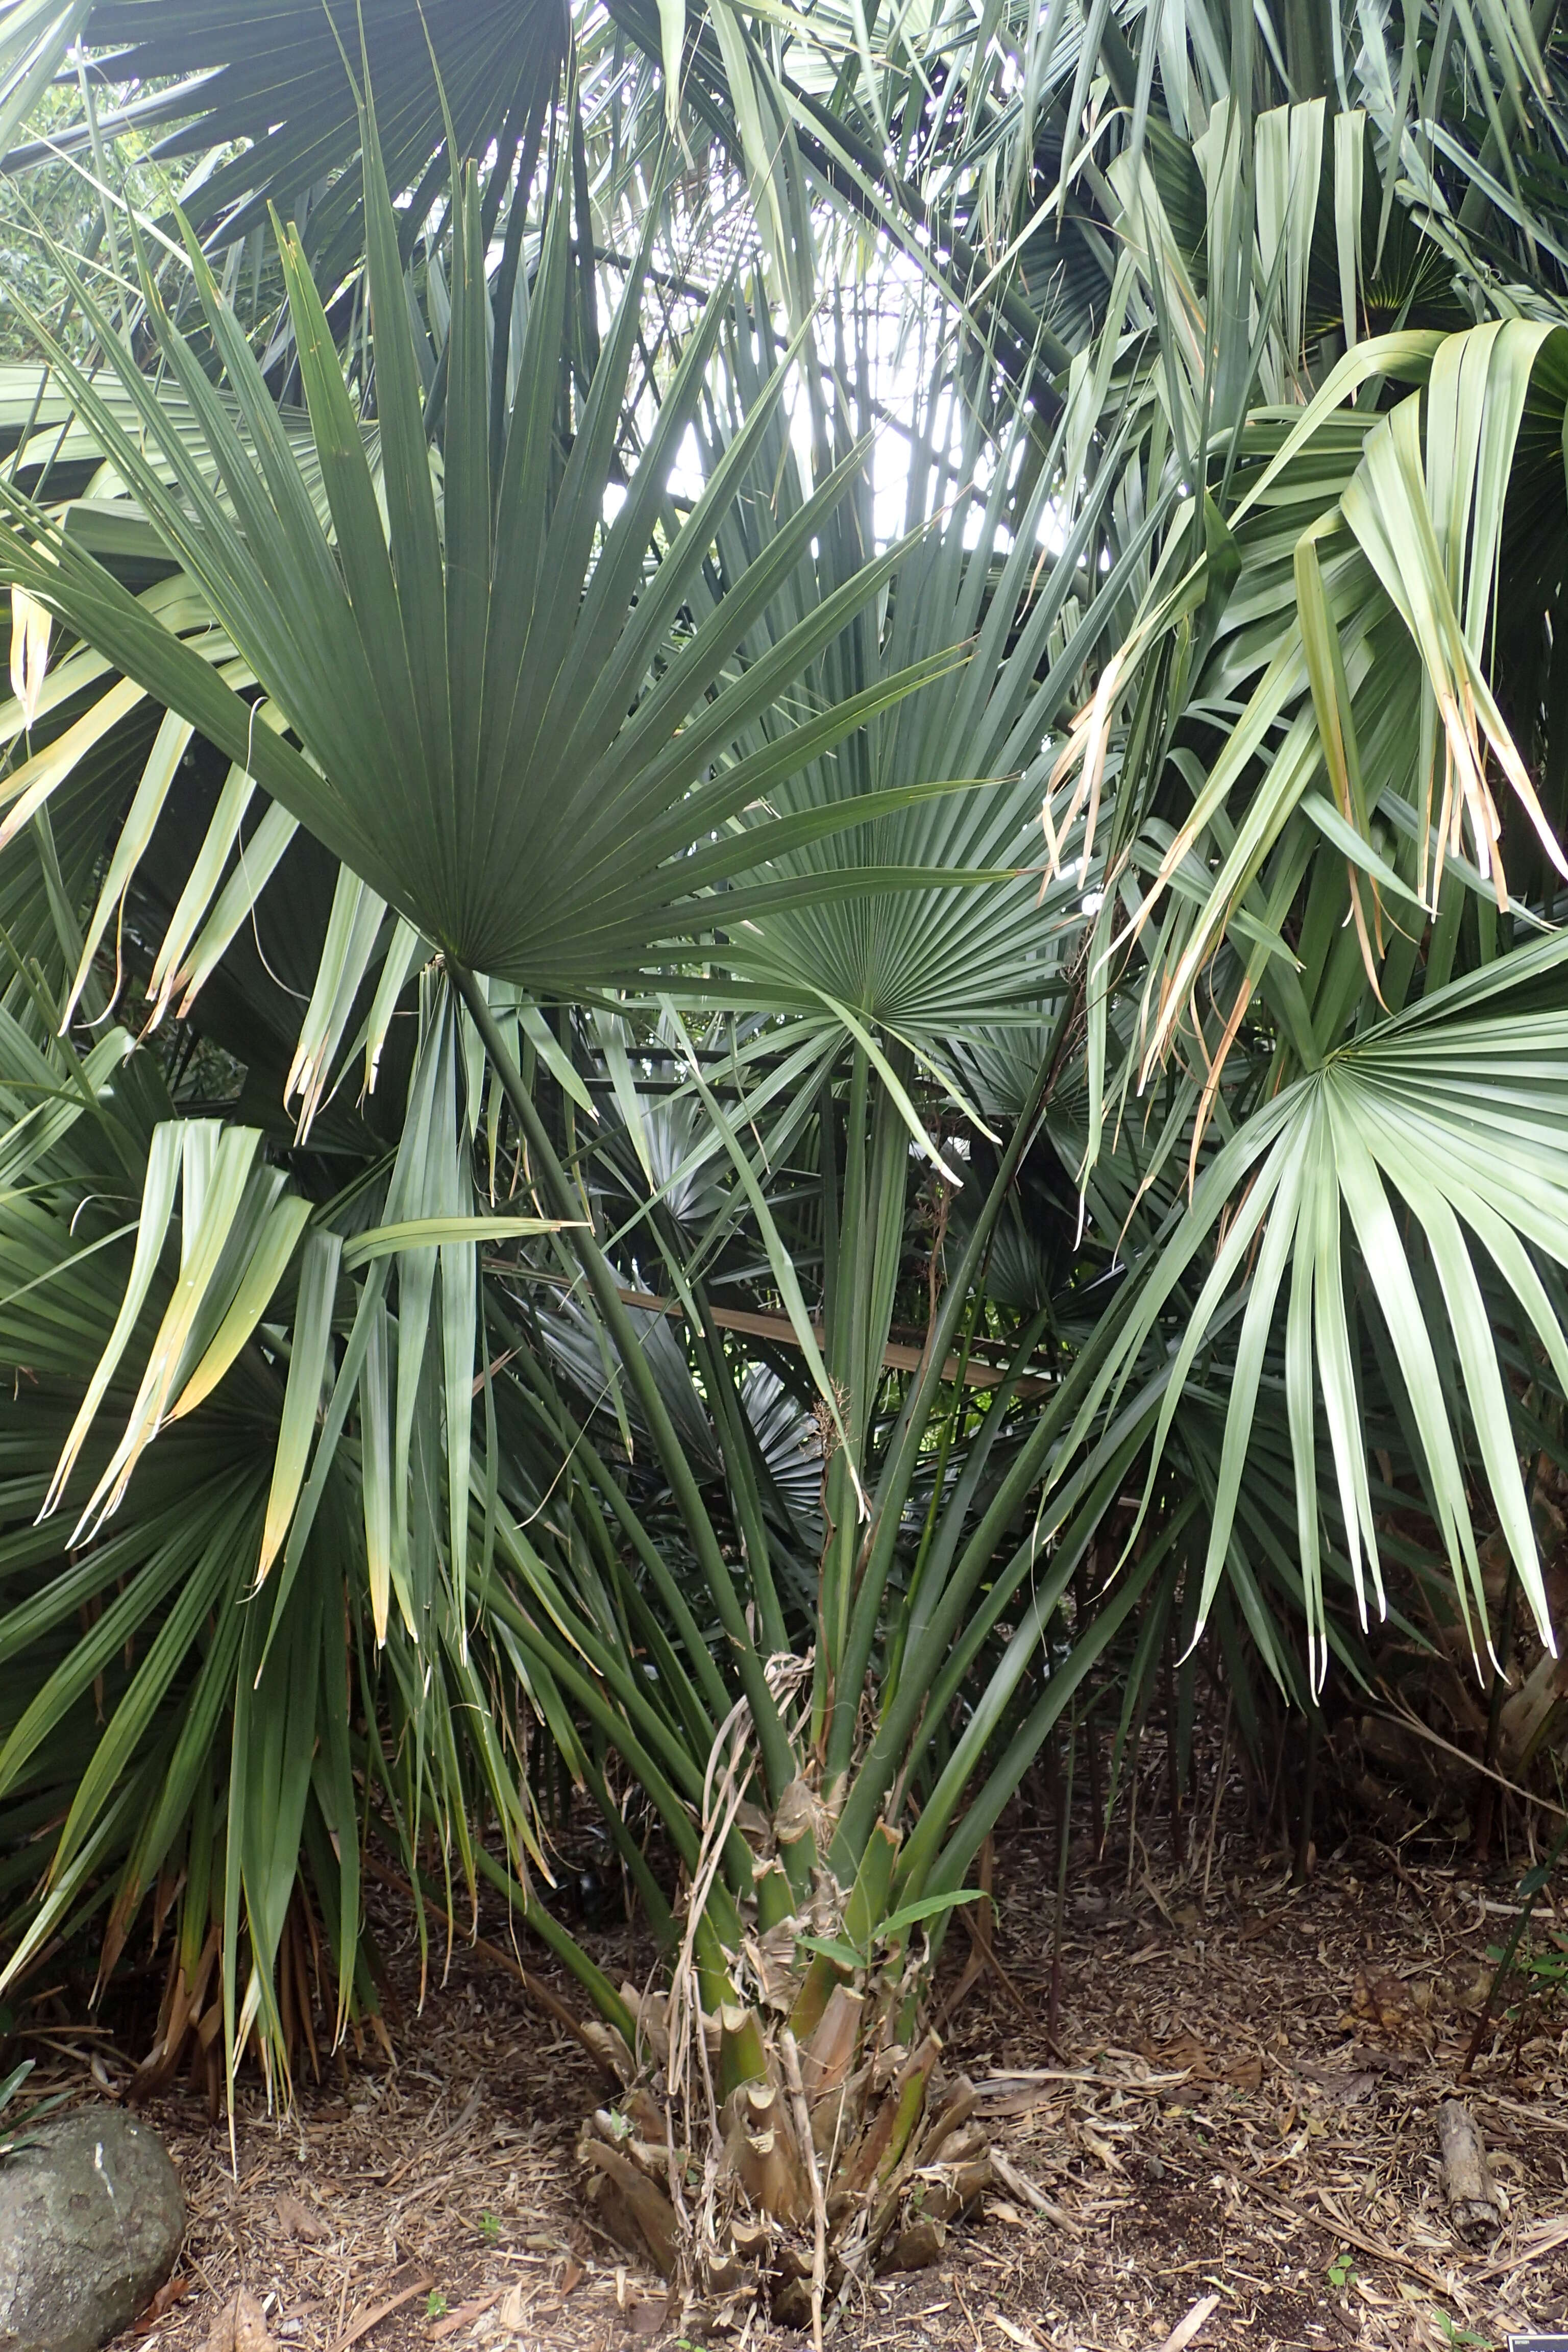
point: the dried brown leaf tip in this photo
(647, 2314)
(240, 2326)
(298, 2220)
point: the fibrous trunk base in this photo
(778, 2172)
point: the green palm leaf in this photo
(460, 678)
(267, 90)
(1407, 1146)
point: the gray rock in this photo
(92, 2216)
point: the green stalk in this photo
(675, 1814)
(701, 1723)
(929, 1864)
(828, 1185)
(633, 1693)
(877, 1289)
(778, 1757)
(561, 1662)
(885, 1756)
(1070, 1549)
(932, 1648)
(735, 1435)
(946, 1519)
(950, 1426)
(903, 1454)
(640, 1624)
(839, 1352)
(869, 1248)
(661, 1919)
(833, 1229)
(564, 1946)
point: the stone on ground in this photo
(92, 2216)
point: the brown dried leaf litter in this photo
(1233, 2141)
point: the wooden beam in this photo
(896, 1356)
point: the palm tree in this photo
(673, 873)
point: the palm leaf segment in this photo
(923, 966)
(1428, 1156)
(260, 90)
(112, 1768)
(1304, 784)
(459, 676)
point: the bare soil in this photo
(1234, 2128)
